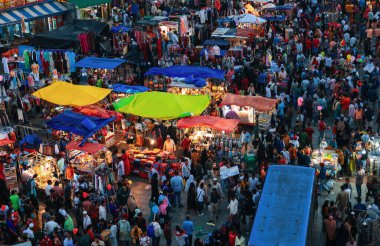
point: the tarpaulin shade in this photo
(67, 94)
(128, 89)
(78, 124)
(88, 3)
(120, 29)
(161, 105)
(90, 148)
(6, 141)
(216, 42)
(67, 35)
(187, 71)
(250, 18)
(96, 111)
(212, 122)
(259, 103)
(101, 63)
(290, 205)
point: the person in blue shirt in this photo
(188, 226)
(322, 179)
(281, 110)
(177, 186)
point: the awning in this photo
(128, 89)
(78, 124)
(184, 85)
(216, 123)
(90, 148)
(100, 63)
(92, 110)
(67, 94)
(88, 3)
(217, 41)
(161, 105)
(32, 12)
(259, 103)
(187, 71)
(6, 141)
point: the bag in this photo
(150, 230)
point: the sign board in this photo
(228, 172)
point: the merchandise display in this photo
(44, 166)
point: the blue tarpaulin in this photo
(78, 124)
(31, 141)
(216, 42)
(285, 206)
(275, 18)
(101, 63)
(281, 8)
(128, 89)
(222, 53)
(187, 71)
(120, 29)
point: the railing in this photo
(7, 4)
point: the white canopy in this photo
(250, 18)
(269, 6)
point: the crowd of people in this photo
(320, 63)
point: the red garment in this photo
(321, 125)
(186, 144)
(345, 102)
(244, 83)
(91, 234)
(46, 241)
(308, 44)
(84, 43)
(282, 161)
(2, 175)
(309, 132)
(315, 43)
(159, 48)
(217, 5)
(127, 165)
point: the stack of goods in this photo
(264, 121)
(143, 160)
(82, 161)
(44, 167)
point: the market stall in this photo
(107, 68)
(87, 157)
(205, 131)
(44, 166)
(10, 171)
(373, 148)
(248, 108)
(328, 156)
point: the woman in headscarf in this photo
(191, 197)
(188, 182)
(154, 185)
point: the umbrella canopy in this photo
(269, 6)
(67, 94)
(161, 105)
(262, 104)
(250, 18)
(212, 122)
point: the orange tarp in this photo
(96, 111)
(212, 122)
(259, 103)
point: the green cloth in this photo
(99, 83)
(69, 224)
(163, 106)
(88, 3)
(15, 200)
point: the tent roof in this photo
(67, 36)
(102, 63)
(6, 141)
(288, 217)
(161, 105)
(90, 148)
(88, 3)
(259, 103)
(92, 110)
(187, 71)
(72, 122)
(250, 18)
(67, 94)
(128, 89)
(212, 122)
(217, 41)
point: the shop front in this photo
(31, 18)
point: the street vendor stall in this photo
(246, 108)
(373, 148)
(87, 157)
(44, 166)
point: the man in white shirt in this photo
(51, 225)
(169, 145)
(185, 168)
(252, 182)
(86, 220)
(233, 207)
(29, 232)
(102, 211)
(48, 188)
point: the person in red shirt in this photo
(308, 46)
(315, 46)
(185, 144)
(244, 83)
(345, 102)
(309, 130)
(125, 158)
(321, 129)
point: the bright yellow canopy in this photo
(67, 94)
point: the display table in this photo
(329, 157)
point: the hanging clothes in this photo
(26, 60)
(4, 60)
